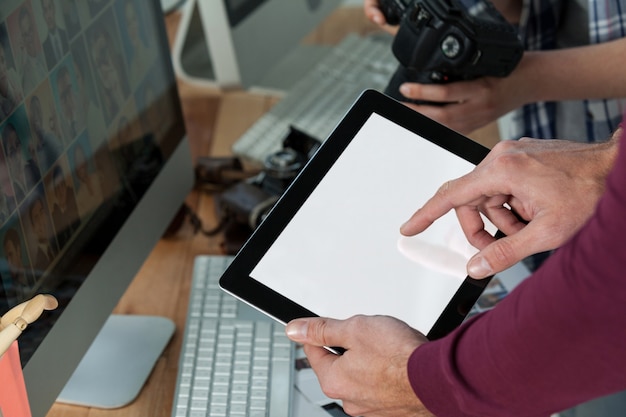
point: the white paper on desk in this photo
(342, 253)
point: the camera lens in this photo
(284, 164)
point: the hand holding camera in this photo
(442, 41)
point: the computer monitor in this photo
(94, 164)
(254, 44)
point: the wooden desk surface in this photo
(214, 120)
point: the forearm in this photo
(587, 72)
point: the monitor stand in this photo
(194, 63)
(118, 362)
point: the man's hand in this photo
(472, 104)
(475, 103)
(371, 376)
(540, 76)
(552, 185)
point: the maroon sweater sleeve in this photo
(557, 340)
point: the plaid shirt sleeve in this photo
(538, 27)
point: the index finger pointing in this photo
(451, 194)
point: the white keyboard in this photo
(320, 99)
(206, 299)
(230, 366)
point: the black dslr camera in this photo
(248, 202)
(441, 41)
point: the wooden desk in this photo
(214, 120)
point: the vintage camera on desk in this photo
(247, 202)
(441, 41)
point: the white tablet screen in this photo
(342, 253)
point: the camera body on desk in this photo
(441, 41)
(247, 202)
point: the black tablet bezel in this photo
(236, 279)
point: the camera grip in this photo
(402, 75)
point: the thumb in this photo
(310, 331)
(503, 253)
(297, 330)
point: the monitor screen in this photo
(90, 122)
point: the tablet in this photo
(331, 245)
